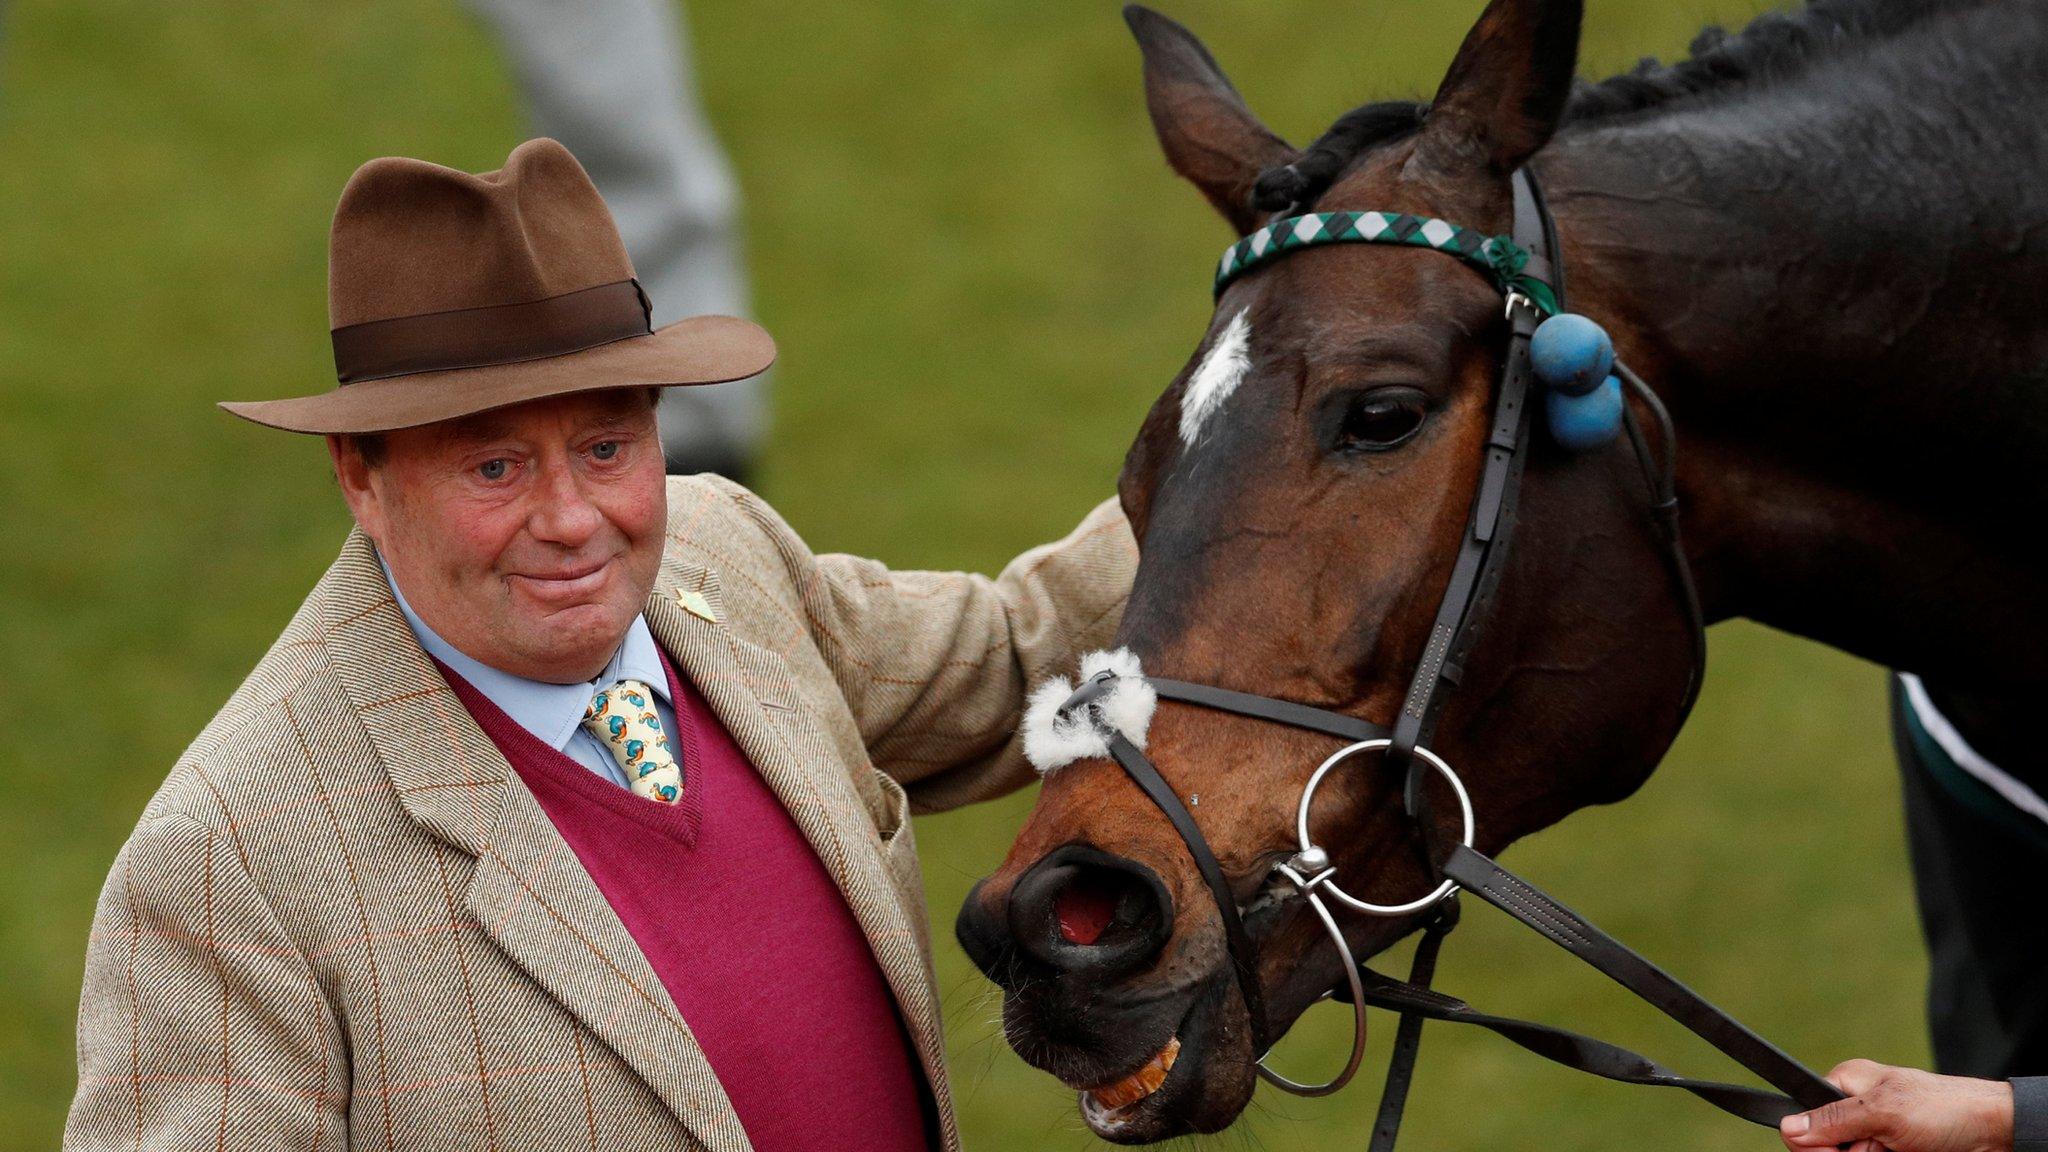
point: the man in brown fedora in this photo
(570, 809)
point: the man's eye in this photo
(605, 449)
(494, 469)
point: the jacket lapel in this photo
(529, 893)
(751, 690)
(533, 897)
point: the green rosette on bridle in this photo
(1499, 257)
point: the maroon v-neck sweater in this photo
(754, 943)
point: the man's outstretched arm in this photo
(936, 665)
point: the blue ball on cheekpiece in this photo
(1571, 354)
(1580, 423)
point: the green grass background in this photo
(980, 273)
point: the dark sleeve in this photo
(2030, 1114)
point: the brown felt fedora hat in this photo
(451, 294)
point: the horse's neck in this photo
(1858, 361)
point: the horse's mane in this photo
(1774, 46)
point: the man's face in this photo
(528, 537)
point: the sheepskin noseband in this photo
(1053, 738)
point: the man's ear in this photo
(352, 475)
(1208, 134)
(1505, 92)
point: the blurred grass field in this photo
(980, 273)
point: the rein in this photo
(1524, 267)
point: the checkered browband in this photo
(1503, 260)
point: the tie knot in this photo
(624, 719)
(623, 696)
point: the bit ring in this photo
(1309, 849)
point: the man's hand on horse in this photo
(1905, 1110)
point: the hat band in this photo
(500, 334)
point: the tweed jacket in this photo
(344, 922)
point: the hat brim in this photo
(697, 350)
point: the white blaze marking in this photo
(1216, 377)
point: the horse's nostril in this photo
(1085, 907)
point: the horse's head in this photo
(1300, 492)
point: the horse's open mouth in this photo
(1157, 1098)
(1164, 1093)
(1143, 1105)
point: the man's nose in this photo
(563, 512)
(1079, 911)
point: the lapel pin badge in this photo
(692, 601)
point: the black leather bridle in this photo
(1475, 579)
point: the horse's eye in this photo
(1381, 420)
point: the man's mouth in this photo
(565, 583)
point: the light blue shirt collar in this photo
(552, 712)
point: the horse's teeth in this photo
(1138, 1085)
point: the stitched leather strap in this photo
(1483, 551)
(1386, 1127)
(1573, 1050)
(1416, 1002)
(1525, 902)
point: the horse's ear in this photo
(1506, 91)
(1209, 136)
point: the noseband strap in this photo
(1242, 957)
(1347, 728)
(1527, 270)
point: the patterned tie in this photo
(623, 717)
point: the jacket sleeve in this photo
(936, 665)
(2030, 1114)
(199, 1026)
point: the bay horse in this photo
(1824, 239)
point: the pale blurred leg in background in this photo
(612, 80)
